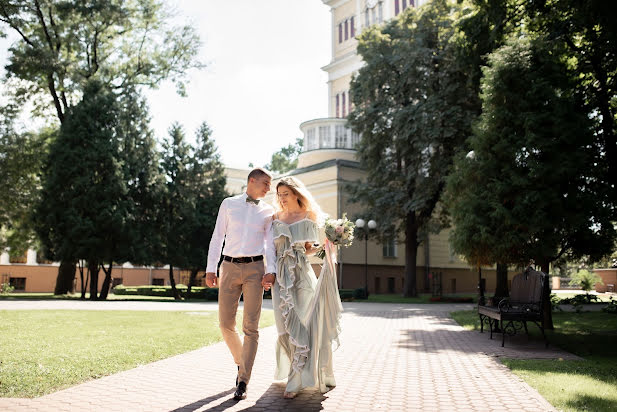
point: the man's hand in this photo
(211, 279)
(267, 281)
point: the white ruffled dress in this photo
(307, 310)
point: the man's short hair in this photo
(257, 173)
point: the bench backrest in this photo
(527, 287)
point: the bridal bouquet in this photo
(339, 232)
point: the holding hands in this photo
(267, 281)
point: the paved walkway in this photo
(392, 357)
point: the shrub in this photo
(6, 288)
(452, 299)
(611, 307)
(346, 294)
(360, 293)
(585, 279)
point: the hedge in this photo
(199, 292)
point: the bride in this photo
(307, 309)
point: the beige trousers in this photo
(236, 279)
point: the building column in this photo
(31, 257)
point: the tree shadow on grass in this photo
(592, 403)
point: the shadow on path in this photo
(272, 399)
(202, 402)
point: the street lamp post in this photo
(370, 225)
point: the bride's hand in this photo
(311, 248)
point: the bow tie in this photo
(251, 200)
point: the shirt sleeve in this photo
(216, 243)
(269, 247)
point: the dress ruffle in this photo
(307, 310)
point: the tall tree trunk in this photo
(106, 282)
(93, 270)
(191, 282)
(172, 282)
(481, 300)
(65, 282)
(411, 254)
(546, 297)
(84, 282)
(501, 289)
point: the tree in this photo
(140, 160)
(530, 190)
(21, 159)
(286, 159)
(587, 35)
(413, 108)
(207, 184)
(195, 189)
(83, 207)
(178, 202)
(65, 43)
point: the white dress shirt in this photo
(246, 229)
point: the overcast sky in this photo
(262, 79)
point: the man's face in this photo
(261, 186)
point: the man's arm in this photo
(269, 277)
(216, 244)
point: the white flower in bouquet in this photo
(339, 232)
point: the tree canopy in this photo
(413, 109)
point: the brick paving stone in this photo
(392, 358)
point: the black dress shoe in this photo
(240, 392)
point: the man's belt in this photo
(243, 259)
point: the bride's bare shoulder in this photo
(311, 215)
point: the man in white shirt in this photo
(244, 224)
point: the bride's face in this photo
(286, 197)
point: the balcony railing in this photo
(328, 133)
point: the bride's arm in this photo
(311, 248)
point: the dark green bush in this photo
(360, 293)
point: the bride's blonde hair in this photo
(305, 199)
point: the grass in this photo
(603, 297)
(47, 350)
(588, 385)
(422, 298)
(77, 296)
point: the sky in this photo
(262, 76)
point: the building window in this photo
(453, 285)
(390, 285)
(349, 103)
(340, 32)
(158, 282)
(353, 27)
(344, 105)
(377, 285)
(311, 142)
(325, 138)
(337, 105)
(18, 283)
(380, 11)
(366, 18)
(346, 29)
(355, 138)
(389, 248)
(404, 4)
(340, 136)
(397, 10)
(373, 16)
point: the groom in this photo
(244, 224)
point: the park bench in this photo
(524, 305)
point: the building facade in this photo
(327, 164)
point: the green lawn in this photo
(588, 385)
(46, 350)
